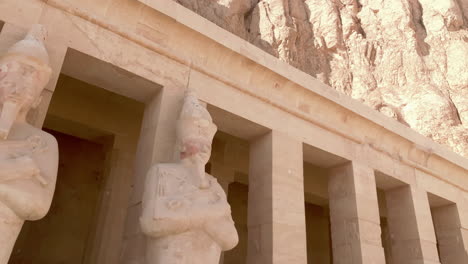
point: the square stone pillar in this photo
(410, 226)
(462, 206)
(276, 209)
(112, 211)
(156, 145)
(449, 232)
(354, 215)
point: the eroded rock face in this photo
(406, 58)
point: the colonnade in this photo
(276, 217)
(276, 213)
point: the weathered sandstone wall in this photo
(405, 58)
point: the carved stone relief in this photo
(186, 216)
(28, 155)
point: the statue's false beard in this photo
(8, 116)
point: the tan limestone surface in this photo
(407, 58)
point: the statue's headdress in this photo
(194, 121)
(29, 53)
(32, 45)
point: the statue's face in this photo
(18, 83)
(195, 137)
(196, 150)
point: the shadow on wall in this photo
(238, 199)
(63, 235)
(318, 234)
(1, 25)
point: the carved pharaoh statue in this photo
(28, 155)
(186, 216)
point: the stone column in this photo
(449, 232)
(113, 202)
(462, 207)
(354, 215)
(410, 226)
(276, 213)
(156, 144)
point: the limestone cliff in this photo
(406, 58)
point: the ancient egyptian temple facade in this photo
(311, 175)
